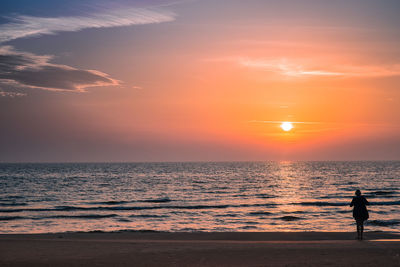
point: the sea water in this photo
(212, 196)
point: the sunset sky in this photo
(199, 80)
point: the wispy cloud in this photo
(11, 94)
(23, 69)
(26, 70)
(28, 26)
(286, 68)
(279, 122)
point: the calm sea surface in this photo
(236, 196)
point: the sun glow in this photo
(286, 126)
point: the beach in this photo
(200, 249)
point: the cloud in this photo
(23, 69)
(29, 26)
(279, 122)
(11, 94)
(26, 70)
(286, 68)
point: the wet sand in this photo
(200, 249)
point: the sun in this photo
(286, 126)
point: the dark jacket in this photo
(360, 212)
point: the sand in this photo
(200, 249)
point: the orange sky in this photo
(214, 83)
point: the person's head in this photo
(358, 192)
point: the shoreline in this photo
(230, 235)
(199, 249)
(205, 233)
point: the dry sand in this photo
(199, 249)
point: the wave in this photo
(112, 207)
(12, 204)
(117, 231)
(111, 202)
(14, 210)
(290, 218)
(344, 211)
(226, 215)
(246, 227)
(105, 208)
(121, 202)
(333, 197)
(148, 216)
(321, 203)
(64, 208)
(159, 200)
(11, 197)
(83, 216)
(383, 223)
(296, 212)
(385, 203)
(123, 220)
(264, 196)
(217, 192)
(11, 218)
(258, 213)
(380, 193)
(335, 204)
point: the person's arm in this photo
(352, 203)
(366, 201)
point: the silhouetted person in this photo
(360, 212)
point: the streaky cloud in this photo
(11, 94)
(279, 122)
(26, 70)
(287, 69)
(29, 26)
(290, 69)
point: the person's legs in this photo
(361, 229)
(359, 234)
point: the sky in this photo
(205, 80)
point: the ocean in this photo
(212, 196)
